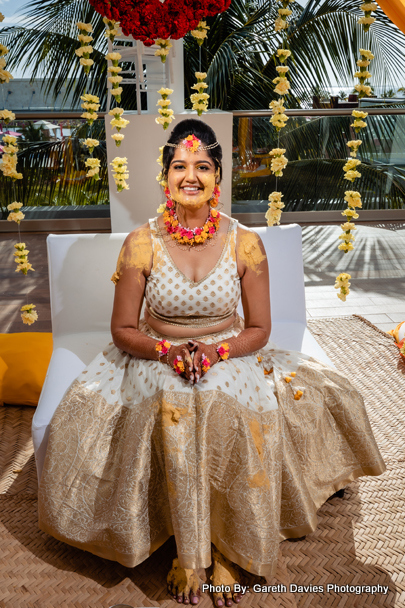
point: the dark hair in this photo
(191, 126)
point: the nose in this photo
(190, 176)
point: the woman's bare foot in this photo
(224, 575)
(183, 584)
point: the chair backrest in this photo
(283, 245)
(80, 267)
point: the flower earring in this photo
(215, 196)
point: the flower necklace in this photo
(189, 236)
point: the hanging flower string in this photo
(160, 177)
(118, 122)
(85, 49)
(352, 197)
(120, 175)
(29, 315)
(201, 32)
(5, 76)
(15, 214)
(91, 104)
(200, 99)
(9, 159)
(166, 115)
(163, 50)
(342, 283)
(367, 19)
(115, 79)
(279, 119)
(273, 213)
(8, 167)
(112, 28)
(363, 74)
(278, 161)
(21, 253)
(281, 21)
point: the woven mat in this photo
(360, 540)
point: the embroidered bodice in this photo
(173, 296)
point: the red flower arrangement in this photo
(148, 20)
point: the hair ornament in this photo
(193, 144)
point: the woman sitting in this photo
(190, 422)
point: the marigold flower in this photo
(280, 24)
(85, 39)
(115, 79)
(367, 54)
(114, 57)
(116, 112)
(15, 216)
(87, 27)
(352, 175)
(353, 198)
(363, 89)
(283, 54)
(117, 137)
(165, 92)
(86, 62)
(350, 213)
(362, 75)
(14, 205)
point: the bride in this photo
(191, 422)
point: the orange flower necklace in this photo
(191, 236)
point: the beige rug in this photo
(360, 539)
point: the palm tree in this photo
(239, 54)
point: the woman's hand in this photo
(182, 350)
(201, 352)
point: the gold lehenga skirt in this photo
(136, 454)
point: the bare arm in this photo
(254, 273)
(133, 267)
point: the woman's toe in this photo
(228, 599)
(195, 595)
(180, 598)
(237, 598)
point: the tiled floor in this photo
(377, 267)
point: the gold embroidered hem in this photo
(136, 454)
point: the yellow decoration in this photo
(24, 360)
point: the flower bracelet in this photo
(205, 364)
(178, 365)
(162, 349)
(223, 351)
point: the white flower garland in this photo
(5, 75)
(163, 50)
(115, 79)
(279, 118)
(200, 99)
(201, 32)
(120, 174)
(85, 49)
(166, 115)
(352, 197)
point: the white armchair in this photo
(80, 267)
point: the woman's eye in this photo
(203, 167)
(178, 166)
